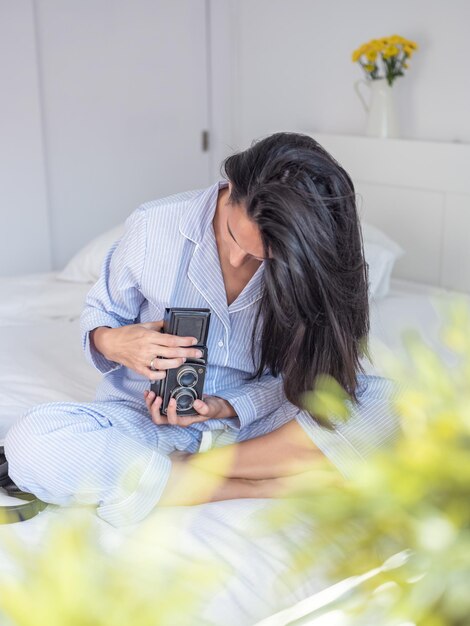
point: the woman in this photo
(276, 253)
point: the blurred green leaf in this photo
(413, 495)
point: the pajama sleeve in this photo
(115, 299)
(372, 424)
(255, 399)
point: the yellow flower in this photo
(397, 39)
(390, 51)
(369, 67)
(411, 44)
(386, 46)
(356, 55)
(376, 44)
(405, 65)
(364, 49)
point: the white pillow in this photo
(380, 253)
(85, 266)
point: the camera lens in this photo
(187, 377)
(184, 397)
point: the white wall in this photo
(84, 122)
(102, 107)
(24, 218)
(125, 93)
(294, 71)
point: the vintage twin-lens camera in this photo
(186, 382)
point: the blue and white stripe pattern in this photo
(109, 452)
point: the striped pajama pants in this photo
(107, 453)
(110, 454)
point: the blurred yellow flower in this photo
(387, 53)
(355, 56)
(397, 39)
(390, 51)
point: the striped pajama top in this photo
(167, 257)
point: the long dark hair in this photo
(315, 305)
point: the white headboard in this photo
(417, 192)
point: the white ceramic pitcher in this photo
(381, 121)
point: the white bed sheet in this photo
(37, 297)
(413, 306)
(41, 360)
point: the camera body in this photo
(186, 382)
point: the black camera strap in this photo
(16, 512)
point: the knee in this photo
(26, 440)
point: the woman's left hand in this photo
(211, 407)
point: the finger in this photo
(201, 415)
(171, 413)
(154, 375)
(149, 397)
(181, 420)
(156, 403)
(157, 416)
(172, 352)
(175, 340)
(166, 364)
(201, 407)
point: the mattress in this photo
(41, 360)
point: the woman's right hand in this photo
(135, 345)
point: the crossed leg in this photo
(107, 453)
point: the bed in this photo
(42, 360)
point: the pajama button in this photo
(221, 344)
